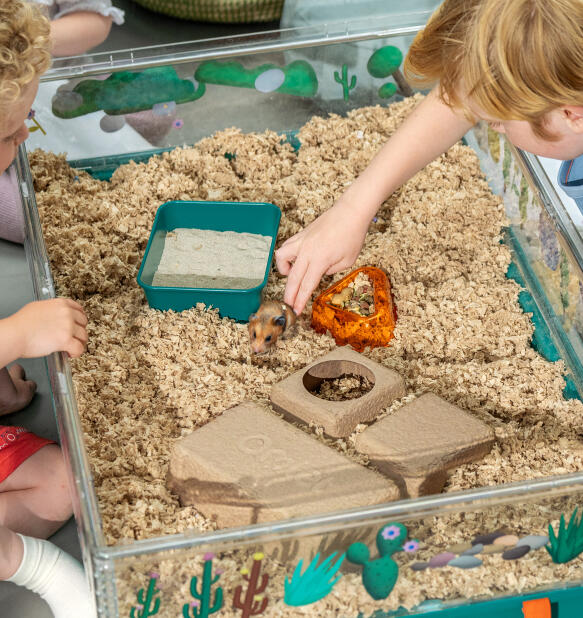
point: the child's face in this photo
(568, 145)
(13, 131)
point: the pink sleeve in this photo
(11, 217)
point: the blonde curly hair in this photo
(24, 47)
(516, 59)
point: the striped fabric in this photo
(218, 11)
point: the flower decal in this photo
(178, 123)
(37, 127)
(411, 546)
(391, 532)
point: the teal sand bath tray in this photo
(233, 300)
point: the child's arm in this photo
(332, 242)
(76, 33)
(38, 329)
(16, 392)
(41, 328)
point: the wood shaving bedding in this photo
(150, 377)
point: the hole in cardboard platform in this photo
(338, 380)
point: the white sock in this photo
(57, 577)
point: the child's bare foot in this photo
(16, 392)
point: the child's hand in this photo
(16, 392)
(330, 243)
(47, 326)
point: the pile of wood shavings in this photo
(345, 387)
(149, 377)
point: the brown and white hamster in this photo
(270, 321)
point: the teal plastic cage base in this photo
(565, 603)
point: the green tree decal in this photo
(384, 62)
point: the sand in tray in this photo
(211, 259)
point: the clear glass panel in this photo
(138, 100)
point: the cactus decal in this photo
(314, 583)
(202, 607)
(255, 601)
(379, 576)
(126, 92)
(343, 81)
(297, 78)
(144, 607)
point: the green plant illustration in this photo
(567, 544)
(314, 583)
(343, 81)
(506, 164)
(494, 144)
(386, 91)
(384, 62)
(523, 199)
(565, 278)
(126, 92)
(379, 576)
(202, 607)
(144, 607)
(297, 78)
(255, 601)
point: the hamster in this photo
(270, 321)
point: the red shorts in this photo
(16, 446)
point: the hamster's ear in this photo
(252, 317)
(279, 320)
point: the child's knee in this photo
(54, 482)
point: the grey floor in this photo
(141, 28)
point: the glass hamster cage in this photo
(135, 104)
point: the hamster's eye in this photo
(268, 338)
(253, 335)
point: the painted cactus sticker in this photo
(379, 576)
(343, 81)
(297, 78)
(144, 606)
(255, 601)
(202, 606)
(127, 92)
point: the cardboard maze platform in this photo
(251, 466)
